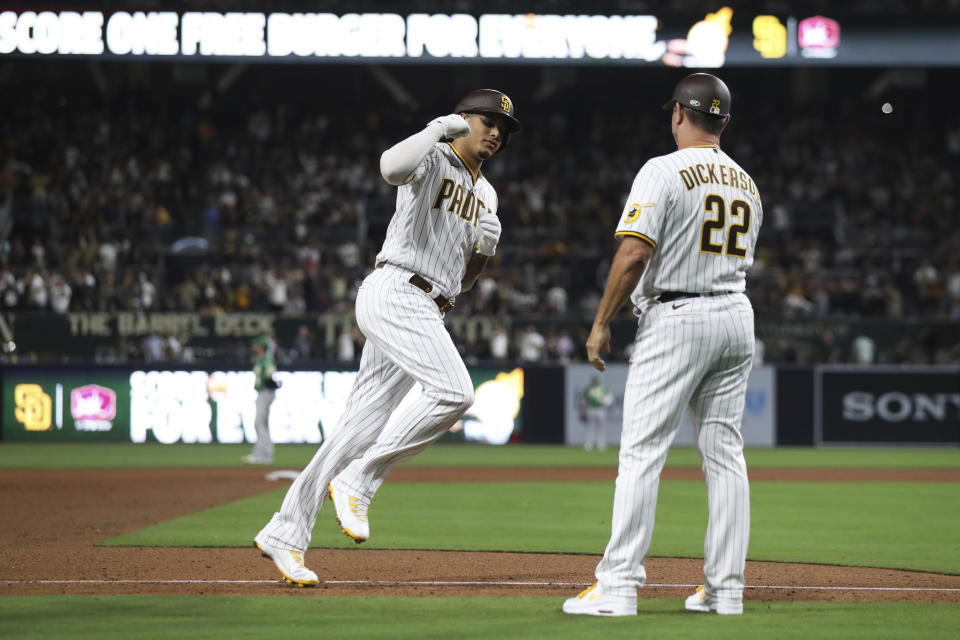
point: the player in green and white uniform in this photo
(263, 368)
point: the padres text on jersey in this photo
(434, 229)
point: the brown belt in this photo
(445, 304)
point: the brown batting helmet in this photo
(494, 103)
(702, 92)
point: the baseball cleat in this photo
(705, 603)
(289, 562)
(299, 585)
(593, 602)
(351, 513)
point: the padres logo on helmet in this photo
(492, 102)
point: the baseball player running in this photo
(438, 241)
(688, 234)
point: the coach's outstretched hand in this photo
(489, 227)
(453, 126)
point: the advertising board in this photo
(67, 405)
(724, 37)
(758, 427)
(219, 406)
(889, 405)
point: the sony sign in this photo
(897, 407)
(889, 404)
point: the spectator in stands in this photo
(863, 350)
(154, 348)
(35, 289)
(346, 349)
(303, 343)
(560, 346)
(499, 343)
(828, 349)
(795, 304)
(275, 285)
(929, 288)
(556, 299)
(59, 294)
(952, 289)
(531, 344)
(286, 195)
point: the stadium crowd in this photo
(161, 198)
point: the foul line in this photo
(463, 583)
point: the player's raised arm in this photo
(398, 163)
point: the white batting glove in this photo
(489, 227)
(453, 126)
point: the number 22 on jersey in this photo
(716, 208)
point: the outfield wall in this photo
(900, 405)
(759, 416)
(218, 405)
(823, 405)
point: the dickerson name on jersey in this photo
(467, 207)
(701, 174)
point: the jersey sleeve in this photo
(426, 164)
(642, 215)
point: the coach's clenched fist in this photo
(489, 227)
(452, 126)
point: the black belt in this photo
(445, 304)
(668, 296)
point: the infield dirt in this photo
(53, 521)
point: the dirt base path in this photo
(52, 521)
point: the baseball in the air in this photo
(887, 107)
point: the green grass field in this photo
(19, 455)
(177, 617)
(880, 525)
(908, 525)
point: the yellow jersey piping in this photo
(637, 235)
(466, 166)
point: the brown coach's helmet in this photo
(702, 92)
(491, 102)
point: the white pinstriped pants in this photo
(698, 356)
(406, 343)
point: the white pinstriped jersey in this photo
(434, 228)
(701, 212)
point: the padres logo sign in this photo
(34, 407)
(505, 103)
